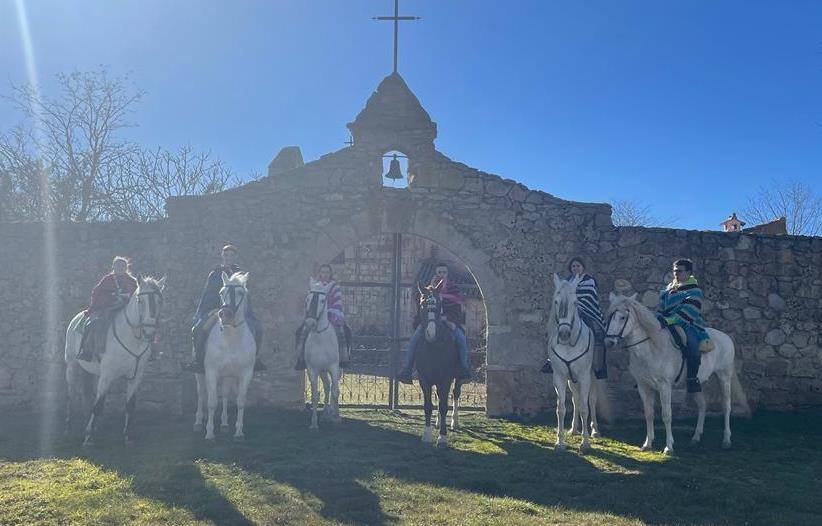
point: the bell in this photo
(394, 171)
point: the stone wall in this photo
(765, 291)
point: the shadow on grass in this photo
(337, 471)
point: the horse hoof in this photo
(559, 447)
(240, 438)
(128, 443)
(726, 444)
(223, 427)
(584, 448)
(695, 441)
(645, 447)
(442, 442)
(595, 434)
(88, 442)
(575, 431)
(313, 427)
(668, 451)
(210, 438)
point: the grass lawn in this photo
(372, 469)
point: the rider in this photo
(209, 302)
(680, 303)
(589, 311)
(325, 276)
(452, 301)
(110, 294)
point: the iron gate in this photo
(379, 312)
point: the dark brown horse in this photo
(437, 362)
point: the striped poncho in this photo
(588, 301)
(334, 304)
(681, 303)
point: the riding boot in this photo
(85, 353)
(601, 366)
(299, 345)
(407, 372)
(547, 368)
(693, 359)
(693, 382)
(198, 338)
(462, 349)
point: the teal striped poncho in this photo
(681, 304)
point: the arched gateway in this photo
(301, 215)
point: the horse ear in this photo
(612, 297)
(162, 283)
(244, 277)
(632, 297)
(556, 281)
(419, 288)
(225, 278)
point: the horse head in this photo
(622, 319)
(233, 296)
(316, 304)
(146, 304)
(431, 309)
(565, 307)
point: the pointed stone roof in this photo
(393, 118)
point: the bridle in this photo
(234, 307)
(312, 314)
(574, 321)
(140, 333)
(621, 334)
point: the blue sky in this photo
(688, 106)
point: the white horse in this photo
(230, 350)
(656, 363)
(571, 343)
(322, 356)
(128, 344)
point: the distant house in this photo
(734, 224)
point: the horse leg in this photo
(242, 392)
(576, 424)
(226, 387)
(327, 382)
(725, 378)
(665, 402)
(315, 397)
(582, 401)
(647, 396)
(560, 384)
(333, 401)
(455, 417)
(70, 393)
(442, 395)
(131, 403)
(201, 397)
(592, 406)
(428, 408)
(700, 418)
(211, 402)
(103, 385)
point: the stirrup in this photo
(601, 374)
(547, 368)
(405, 377)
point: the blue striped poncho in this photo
(588, 302)
(681, 304)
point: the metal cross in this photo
(396, 18)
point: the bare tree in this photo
(627, 212)
(78, 139)
(152, 176)
(92, 172)
(793, 200)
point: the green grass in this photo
(372, 469)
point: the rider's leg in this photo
(405, 375)
(693, 359)
(198, 336)
(462, 349)
(86, 352)
(257, 330)
(299, 344)
(600, 365)
(343, 347)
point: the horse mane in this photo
(152, 281)
(645, 318)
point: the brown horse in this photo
(437, 362)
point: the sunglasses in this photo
(678, 270)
